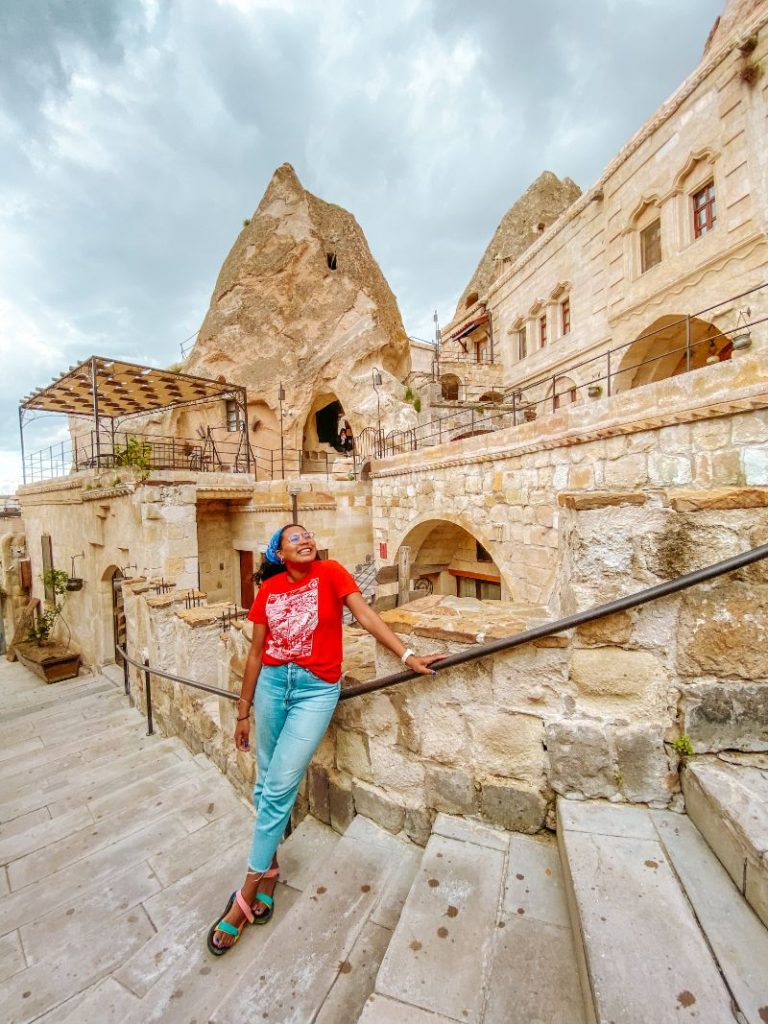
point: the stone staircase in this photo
(119, 850)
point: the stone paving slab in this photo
(77, 921)
(320, 930)
(179, 799)
(106, 1002)
(380, 1010)
(729, 805)
(442, 947)
(533, 975)
(353, 985)
(37, 989)
(647, 961)
(737, 936)
(40, 832)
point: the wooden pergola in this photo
(112, 389)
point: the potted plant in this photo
(595, 390)
(52, 660)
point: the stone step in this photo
(484, 935)
(735, 934)
(174, 977)
(643, 957)
(728, 803)
(325, 949)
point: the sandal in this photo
(250, 917)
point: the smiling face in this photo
(297, 545)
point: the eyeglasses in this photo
(294, 538)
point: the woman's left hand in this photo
(423, 665)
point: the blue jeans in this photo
(293, 708)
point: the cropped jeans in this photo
(293, 708)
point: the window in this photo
(542, 331)
(522, 343)
(481, 352)
(481, 555)
(232, 416)
(565, 316)
(481, 590)
(704, 210)
(650, 246)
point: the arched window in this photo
(449, 387)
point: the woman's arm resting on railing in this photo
(248, 688)
(380, 631)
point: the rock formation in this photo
(520, 226)
(301, 301)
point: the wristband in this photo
(244, 718)
(407, 653)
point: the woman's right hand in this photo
(242, 732)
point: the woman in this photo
(296, 654)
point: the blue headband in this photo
(271, 553)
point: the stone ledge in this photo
(583, 502)
(721, 498)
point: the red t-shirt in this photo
(303, 618)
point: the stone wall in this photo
(161, 526)
(696, 431)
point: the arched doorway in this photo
(321, 428)
(449, 387)
(452, 561)
(669, 346)
(112, 580)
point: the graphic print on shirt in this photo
(292, 620)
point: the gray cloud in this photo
(137, 134)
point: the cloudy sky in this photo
(135, 136)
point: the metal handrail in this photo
(570, 621)
(640, 597)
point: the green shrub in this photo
(417, 404)
(683, 746)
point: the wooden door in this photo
(246, 579)
(118, 615)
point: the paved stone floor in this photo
(105, 835)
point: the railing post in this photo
(126, 682)
(608, 374)
(148, 695)
(688, 341)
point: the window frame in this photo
(565, 316)
(709, 207)
(645, 266)
(231, 410)
(543, 330)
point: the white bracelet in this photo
(407, 653)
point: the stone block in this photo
(507, 745)
(352, 754)
(450, 790)
(317, 792)
(612, 673)
(580, 759)
(340, 802)
(719, 716)
(394, 767)
(718, 498)
(756, 465)
(615, 629)
(418, 824)
(644, 773)
(724, 632)
(513, 807)
(627, 472)
(374, 803)
(669, 469)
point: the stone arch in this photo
(491, 398)
(659, 351)
(109, 610)
(565, 392)
(698, 162)
(645, 210)
(456, 529)
(450, 387)
(320, 424)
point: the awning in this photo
(468, 327)
(114, 389)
